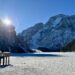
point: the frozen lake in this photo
(43, 64)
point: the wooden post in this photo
(8, 60)
(3, 60)
(0, 61)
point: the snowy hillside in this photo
(54, 34)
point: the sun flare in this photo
(7, 21)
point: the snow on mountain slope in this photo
(55, 34)
(57, 21)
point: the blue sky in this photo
(26, 13)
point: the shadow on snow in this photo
(35, 55)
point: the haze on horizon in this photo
(25, 13)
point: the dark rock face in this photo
(53, 35)
(69, 47)
(8, 39)
(7, 36)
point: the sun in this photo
(7, 21)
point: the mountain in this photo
(56, 33)
(27, 34)
(9, 41)
(7, 36)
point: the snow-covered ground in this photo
(47, 65)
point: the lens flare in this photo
(7, 21)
